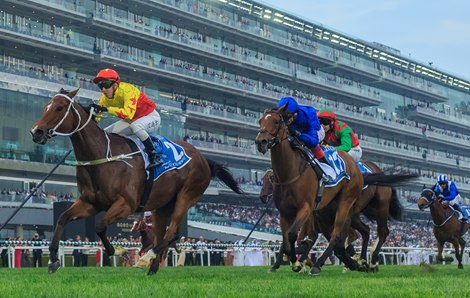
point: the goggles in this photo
(325, 121)
(106, 84)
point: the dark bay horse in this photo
(446, 225)
(376, 202)
(147, 238)
(296, 189)
(117, 187)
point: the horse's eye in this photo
(59, 108)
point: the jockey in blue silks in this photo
(303, 122)
(448, 191)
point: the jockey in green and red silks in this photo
(339, 134)
(304, 123)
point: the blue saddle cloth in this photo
(364, 170)
(173, 155)
(337, 163)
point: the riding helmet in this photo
(292, 105)
(107, 74)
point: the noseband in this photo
(275, 140)
(429, 201)
(53, 131)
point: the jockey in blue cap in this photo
(303, 121)
(448, 191)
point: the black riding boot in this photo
(154, 158)
(457, 208)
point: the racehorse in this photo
(296, 188)
(147, 237)
(379, 203)
(376, 202)
(446, 224)
(117, 187)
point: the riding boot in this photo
(154, 157)
(457, 208)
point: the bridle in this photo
(430, 202)
(53, 131)
(275, 140)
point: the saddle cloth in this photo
(173, 155)
(337, 166)
(364, 170)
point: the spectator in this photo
(37, 253)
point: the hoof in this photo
(54, 266)
(345, 270)
(151, 272)
(374, 268)
(363, 267)
(297, 267)
(272, 270)
(315, 271)
(460, 266)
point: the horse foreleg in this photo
(440, 247)
(304, 215)
(280, 255)
(118, 210)
(78, 210)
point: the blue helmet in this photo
(442, 179)
(292, 105)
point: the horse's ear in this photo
(283, 108)
(73, 93)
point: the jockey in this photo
(448, 191)
(148, 218)
(339, 134)
(136, 110)
(304, 123)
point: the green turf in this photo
(391, 281)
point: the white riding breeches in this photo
(141, 127)
(321, 134)
(456, 200)
(356, 153)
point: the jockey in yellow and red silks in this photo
(136, 110)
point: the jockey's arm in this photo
(131, 95)
(345, 139)
(453, 192)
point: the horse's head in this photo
(57, 118)
(272, 129)
(267, 189)
(426, 199)
(139, 225)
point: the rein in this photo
(109, 157)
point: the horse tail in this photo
(387, 180)
(224, 174)
(395, 209)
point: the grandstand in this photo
(212, 67)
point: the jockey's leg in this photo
(141, 128)
(320, 156)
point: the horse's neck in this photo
(90, 143)
(438, 212)
(285, 162)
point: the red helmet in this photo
(107, 74)
(326, 113)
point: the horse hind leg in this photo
(78, 210)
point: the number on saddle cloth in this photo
(337, 163)
(173, 155)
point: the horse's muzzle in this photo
(39, 136)
(262, 145)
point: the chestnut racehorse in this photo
(117, 186)
(446, 225)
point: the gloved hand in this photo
(294, 132)
(97, 108)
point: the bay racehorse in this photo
(117, 187)
(296, 188)
(376, 202)
(446, 224)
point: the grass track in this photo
(391, 281)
